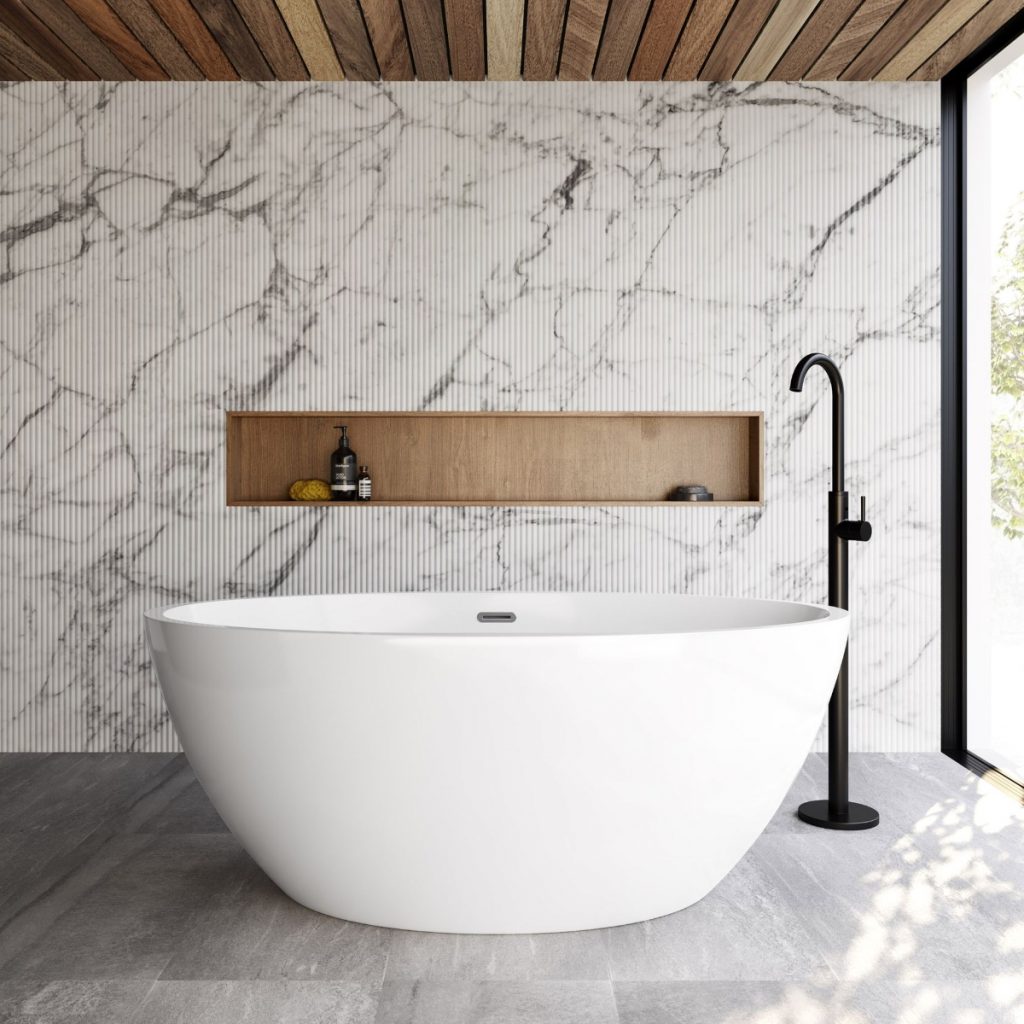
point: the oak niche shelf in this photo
(502, 458)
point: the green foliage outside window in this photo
(1008, 378)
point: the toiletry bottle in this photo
(343, 470)
(365, 484)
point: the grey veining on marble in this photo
(172, 251)
(125, 918)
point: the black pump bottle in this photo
(344, 470)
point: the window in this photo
(983, 394)
(995, 410)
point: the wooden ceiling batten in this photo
(982, 26)
(665, 22)
(813, 39)
(584, 23)
(465, 22)
(700, 34)
(386, 25)
(779, 31)
(13, 50)
(505, 39)
(107, 26)
(273, 38)
(157, 39)
(233, 37)
(930, 38)
(545, 23)
(11, 72)
(741, 28)
(195, 37)
(310, 34)
(889, 39)
(865, 21)
(35, 34)
(347, 30)
(77, 35)
(623, 26)
(424, 21)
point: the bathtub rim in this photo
(160, 614)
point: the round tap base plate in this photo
(857, 816)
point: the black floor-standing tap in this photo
(837, 811)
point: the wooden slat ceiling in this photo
(472, 40)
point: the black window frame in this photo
(954, 433)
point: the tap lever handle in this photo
(856, 529)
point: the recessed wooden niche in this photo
(503, 458)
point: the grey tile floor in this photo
(124, 899)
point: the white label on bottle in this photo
(343, 487)
(364, 488)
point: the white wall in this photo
(174, 251)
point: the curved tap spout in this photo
(838, 412)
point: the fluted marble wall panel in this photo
(172, 251)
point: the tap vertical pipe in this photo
(838, 717)
(838, 434)
(838, 597)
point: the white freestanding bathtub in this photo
(391, 759)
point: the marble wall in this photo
(173, 251)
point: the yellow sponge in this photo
(310, 490)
